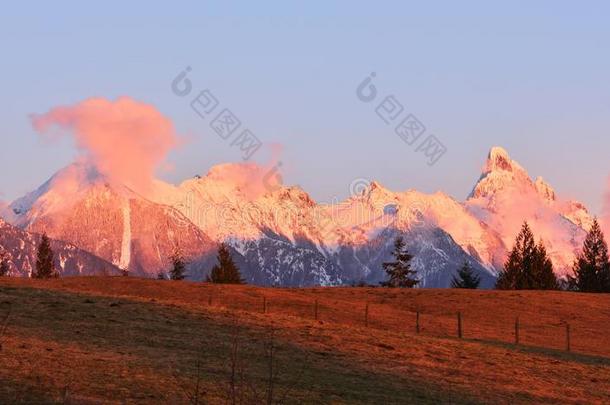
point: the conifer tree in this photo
(515, 275)
(45, 267)
(592, 266)
(399, 271)
(4, 267)
(226, 271)
(178, 270)
(528, 266)
(544, 276)
(508, 276)
(466, 278)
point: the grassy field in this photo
(126, 340)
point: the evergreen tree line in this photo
(401, 275)
(225, 271)
(528, 266)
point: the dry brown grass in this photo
(115, 339)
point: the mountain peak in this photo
(69, 180)
(500, 172)
(499, 160)
(378, 195)
(375, 185)
(498, 151)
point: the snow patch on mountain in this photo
(126, 241)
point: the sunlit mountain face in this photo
(281, 236)
(18, 249)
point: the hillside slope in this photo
(123, 340)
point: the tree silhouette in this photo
(226, 271)
(466, 278)
(4, 266)
(178, 270)
(528, 266)
(592, 266)
(544, 276)
(45, 267)
(399, 271)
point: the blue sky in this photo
(530, 76)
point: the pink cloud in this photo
(252, 179)
(125, 139)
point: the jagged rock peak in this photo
(500, 172)
(498, 159)
(544, 189)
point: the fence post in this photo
(366, 315)
(459, 320)
(315, 311)
(568, 348)
(417, 323)
(264, 305)
(517, 330)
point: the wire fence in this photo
(526, 331)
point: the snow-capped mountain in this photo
(272, 228)
(19, 250)
(288, 239)
(80, 206)
(505, 196)
(281, 236)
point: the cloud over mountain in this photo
(125, 139)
